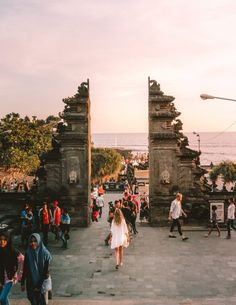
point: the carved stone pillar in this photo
(172, 166)
(76, 155)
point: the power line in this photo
(220, 133)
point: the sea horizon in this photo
(214, 146)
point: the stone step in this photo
(113, 301)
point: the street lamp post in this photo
(210, 97)
(198, 139)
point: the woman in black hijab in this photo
(8, 267)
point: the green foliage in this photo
(227, 169)
(126, 153)
(105, 162)
(22, 141)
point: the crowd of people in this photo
(230, 219)
(122, 216)
(14, 185)
(54, 219)
(176, 211)
(32, 268)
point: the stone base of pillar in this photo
(79, 210)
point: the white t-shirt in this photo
(176, 209)
(100, 202)
(231, 211)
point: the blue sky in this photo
(49, 47)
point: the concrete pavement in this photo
(157, 270)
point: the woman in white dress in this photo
(119, 236)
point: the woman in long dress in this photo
(36, 265)
(119, 236)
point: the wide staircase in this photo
(157, 270)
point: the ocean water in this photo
(215, 147)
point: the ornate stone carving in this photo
(165, 177)
(83, 89)
(178, 125)
(73, 177)
(154, 88)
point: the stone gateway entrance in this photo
(173, 167)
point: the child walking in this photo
(214, 222)
(65, 227)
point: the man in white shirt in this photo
(230, 217)
(175, 212)
(100, 203)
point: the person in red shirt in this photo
(56, 219)
(45, 219)
(100, 190)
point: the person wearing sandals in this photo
(175, 213)
(35, 270)
(119, 236)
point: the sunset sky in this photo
(48, 47)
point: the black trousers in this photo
(100, 211)
(176, 223)
(230, 224)
(45, 229)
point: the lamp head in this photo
(206, 96)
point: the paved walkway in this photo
(157, 270)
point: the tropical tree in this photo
(23, 140)
(226, 169)
(106, 162)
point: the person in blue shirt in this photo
(65, 227)
(23, 217)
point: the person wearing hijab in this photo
(8, 267)
(36, 270)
